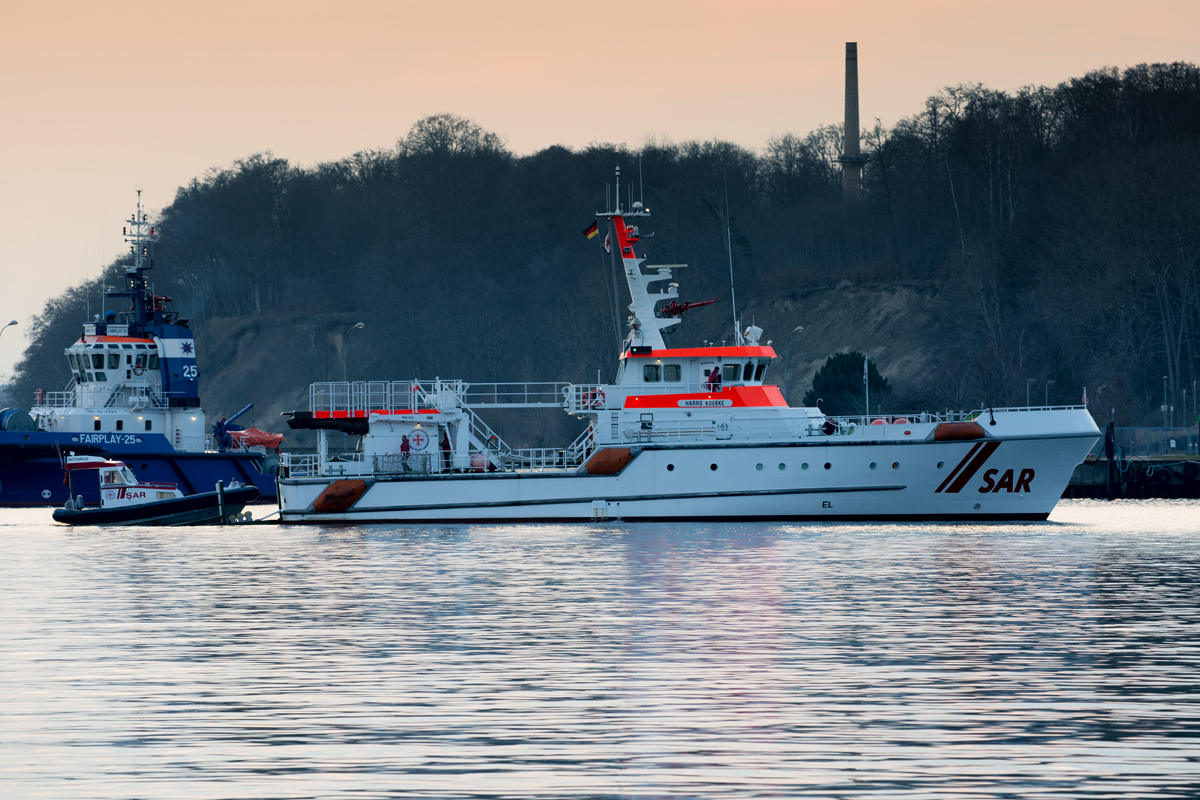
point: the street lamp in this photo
(2, 330)
(347, 333)
(1028, 382)
(787, 348)
(1048, 391)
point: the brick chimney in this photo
(852, 159)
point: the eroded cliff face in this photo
(271, 360)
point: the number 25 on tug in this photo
(692, 433)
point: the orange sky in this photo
(96, 99)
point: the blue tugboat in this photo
(134, 397)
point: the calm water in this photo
(1054, 660)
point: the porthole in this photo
(713, 467)
(873, 465)
(783, 466)
(941, 464)
(828, 465)
(758, 467)
(803, 466)
(895, 465)
(670, 467)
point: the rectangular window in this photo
(120, 424)
(97, 361)
(748, 372)
(650, 373)
(96, 425)
(128, 359)
(147, 424)
(152, 363)
(114, 360)
(141, 361)
(758, 375)
(100, 376)
(165, 495)
(730, 372)
(672, 373)
(71, 361)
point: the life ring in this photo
(38, 394)
(594, 399)
(138, 370)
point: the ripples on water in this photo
(1047, 660)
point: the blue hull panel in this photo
(31, 474)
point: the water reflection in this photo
(612, 660)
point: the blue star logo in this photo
(186, 347)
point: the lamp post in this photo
(1048, 391)
(1028, 382)
(347, 333)
(787, 348)
(2, 330)
(1164, 406)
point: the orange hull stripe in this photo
(742, 397)
(709, 352)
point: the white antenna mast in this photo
(737, 334)
(618, 188)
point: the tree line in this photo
(1061, 226)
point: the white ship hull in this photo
(646, 489)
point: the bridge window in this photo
(152, 362)
(97, 361)
(101, 376)
(114, 360)
(650, 373)
(140, 361)
(672, 373)
(758, 374)
(748, 372)
(730, 372)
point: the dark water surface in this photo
(1049, 660)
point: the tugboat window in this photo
(758, 375)
(152, 363)
(147, 428)
(673, 373)
(713, 467)
(650, 373)
(670, 467)
(828, 465)
(100, 376)
(730, 372)
(758, 467)
(114, 360)
(120, 424)
(783, 466)
(141, 360)
(97, 361)
(96, 425)
(748, 372)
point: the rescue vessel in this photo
(134, 396)
(692, 433)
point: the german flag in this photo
(591, 230)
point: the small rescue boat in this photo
(126, 501)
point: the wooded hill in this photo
(1049, 234)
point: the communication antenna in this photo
(641, 183)
(737, 334)
(618, 188)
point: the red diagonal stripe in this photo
(954, 472)
(973, 467)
